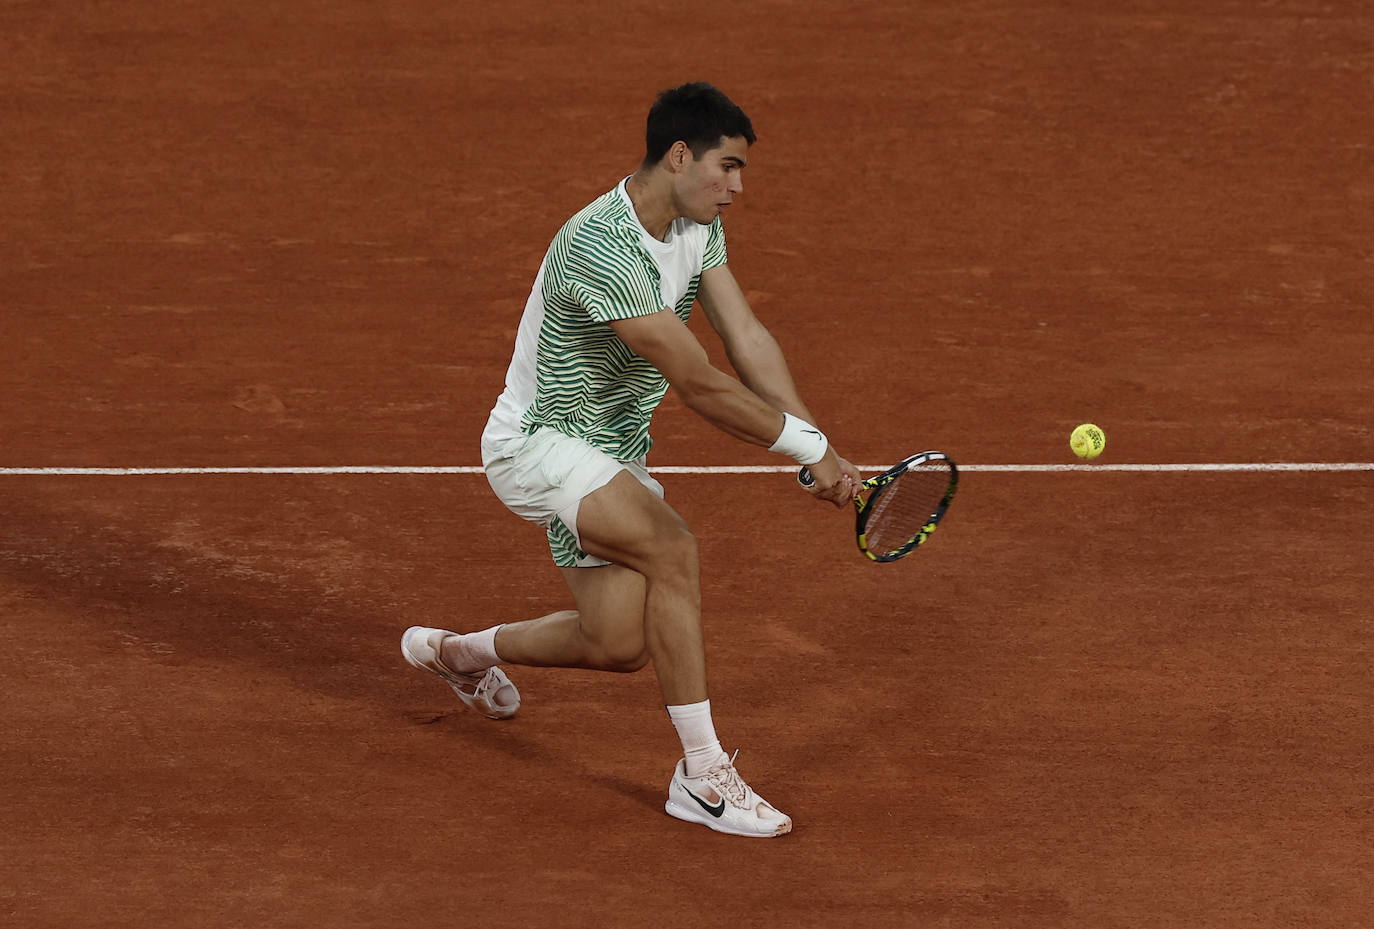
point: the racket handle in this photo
(804, 477)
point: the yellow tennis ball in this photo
(1087, 441)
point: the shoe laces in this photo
(486, 685)
(727, 780)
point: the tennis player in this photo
(603, 336)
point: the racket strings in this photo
(904, 507)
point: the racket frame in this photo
(863, 505)
(876, 485)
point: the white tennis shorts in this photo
(545, 476)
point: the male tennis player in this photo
(602, 337)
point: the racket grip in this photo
(804, 477)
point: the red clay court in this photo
(300, 236)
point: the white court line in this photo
(339, 469)
(1253, 466)
(678, 469)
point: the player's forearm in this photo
(763, 369)
(731, 407)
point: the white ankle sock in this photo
(477, 651)
(698, 734)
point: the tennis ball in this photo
(1087, 441)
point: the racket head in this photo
(904, 505)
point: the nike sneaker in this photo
(720, 800)
(488, 692)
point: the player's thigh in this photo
(610, 606)
(626, 523)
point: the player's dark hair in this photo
(697, 114)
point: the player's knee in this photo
(616, 645)
(625, 662)
(626, 653)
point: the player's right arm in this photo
(665, 342)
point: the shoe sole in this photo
(687, 814)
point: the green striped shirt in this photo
(570, 372)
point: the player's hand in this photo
(854, 476)
(835, 480)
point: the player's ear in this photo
(678, 156)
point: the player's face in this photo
(709, 184)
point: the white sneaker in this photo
(489, 692)
(720, 800)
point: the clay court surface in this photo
(300, 235)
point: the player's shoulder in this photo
(606, 215)
(603, 230)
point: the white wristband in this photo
(800, 440)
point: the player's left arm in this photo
(753, 352)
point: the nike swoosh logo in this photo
(715, 811)
(812, 431)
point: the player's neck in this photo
(651, 192)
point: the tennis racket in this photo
(900, 508)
